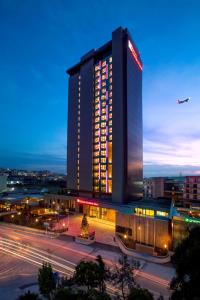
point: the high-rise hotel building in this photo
(105, 153)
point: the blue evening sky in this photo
(40, 39)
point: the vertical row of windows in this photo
(102, 127)
(78, 132)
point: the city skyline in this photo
(33, 94)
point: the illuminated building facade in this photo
(105, 153)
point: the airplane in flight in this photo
(183, 101)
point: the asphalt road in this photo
(35, 247)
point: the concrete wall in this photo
(149, 231)
(72, 152)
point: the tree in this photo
(139, 294)
(84, 227)
(29, 296)
(103, 274)
(46, 280)
(186, 260)
(122, 276)
(86, 274)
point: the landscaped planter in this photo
(80, 240)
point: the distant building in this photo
(165, 187)
(3, 183)
(191, 195)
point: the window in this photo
(96, 160)
(103, 174)
(104, 63)
(96, 126)
(97, 93)
(110, 123)
(96, 153)
(103, 91)
(110, 108)
(110, 130)
(103, 139)
(103, 153)
(96, 147)
(145, 212)
(96, 168)
(110, 94)
(103, 111)
(96, 133)
(97, 120)
(103, 104)
(96, 106)
(97, 113)
(161, 213)
(110, 87)
(103, 70)
(103, 77)
(103, 83)
(110, 67)
(103, 117)
(103, 167)
(102, 125)
(110, 59)
(97, 68)
(96, 140)
(103, 146)
(103, 160)
(103, 97)
(110, 115)
(103, 131)
(110, 73)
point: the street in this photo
(35, 247)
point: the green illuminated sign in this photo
(189, 220)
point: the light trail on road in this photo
(23, 238)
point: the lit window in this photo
(96, 133)
(97, 113)
(103, 160)
(103, 174)
(103, 138)
(103, 111)
(103, 91)
(103, 97)
(103, 117)
(110, 73)
(110, 115)
(96, 140)
(110, 123)
(103, 77)
(110, 59)
(110, 94)
(103, 124)
(104, 63)
(97, 119)
(97, 80)
(96, 153)
(103, 104)
(96, 126)
(96, 168)
(97, 68)
(103, 131)
(110, 87)
(103, 153)
(110, 80)
(103, 167)
(96, 174)
(103, 70)
(103, 182)
(161, 213)
(110, 108)
(103, 146)
(96, 188)
(97, 93)
(110, 137)
(96, 106)
(103, 83)
(110, 66)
